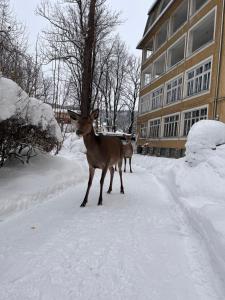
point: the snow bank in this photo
(73, 144)
(42, 179)
(204, 137)
(14, 102)
(199, 189)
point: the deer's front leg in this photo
(91, 175)
(104, 171)
(111, 180)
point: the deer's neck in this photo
(90, 140)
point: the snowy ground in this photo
(164, 239)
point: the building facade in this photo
(183, 72)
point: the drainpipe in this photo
(219, 65)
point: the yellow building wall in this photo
(189, 103)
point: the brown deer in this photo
(103, 152)
(127, 152)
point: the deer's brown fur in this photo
(127, 153)
(103, 152)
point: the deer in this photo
(103, 152)
(127, 152)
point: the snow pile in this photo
(42, 179)
(204, 136)
(73, 145)
(15, 103)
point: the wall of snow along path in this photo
(197, 185)
(23, 186)
(14, 102)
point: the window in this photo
(147, 76)
(157, 98)
(163, 5)
(202, 34)
(198, 79)
(196, 5)
(160, 66)
(191, 117)
(171, 125)
(154, 128)
(161, 36)
(143, 131)
(176, 52)
(179, 17)
(174, 90)
(148, 51)
(145, 104)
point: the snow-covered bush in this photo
(204, 137)
(25, 123)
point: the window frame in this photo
(189, 54)
(165, 69)
(178, 126)
(144, 126)
(171, 34)
(180, 76)
(147, 105)
(191, 14)
(184, 36)
(156, 97)
(186, 80)
(159, 129)
(199, 108)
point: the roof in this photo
(154, 4)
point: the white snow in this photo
(163, 240)
(203, 137)
(14, 102)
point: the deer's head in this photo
(83, 125)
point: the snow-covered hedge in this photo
(204, 137)
(24, 122)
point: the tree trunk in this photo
(87, 75)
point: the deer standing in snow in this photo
(127, 152)
(103, 152)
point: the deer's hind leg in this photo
(104, 171)
(121, 176)
(111, 179)
(130, 165)
(91, 175)
(125, 164)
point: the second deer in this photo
(128, 152)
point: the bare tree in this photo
(132, 88)
(65, 39)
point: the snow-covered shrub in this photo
(204, 137)
(25, 123)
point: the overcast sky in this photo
(134, 13)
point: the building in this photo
(183, 72)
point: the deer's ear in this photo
(73, 115)
(94, 114)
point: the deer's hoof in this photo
(83, 205)
(122, 192)
(100, 204)
(109, 191)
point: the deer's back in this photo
(106, 150)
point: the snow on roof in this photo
(14, 102)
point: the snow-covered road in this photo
(137, 246)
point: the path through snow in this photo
(137, 246)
